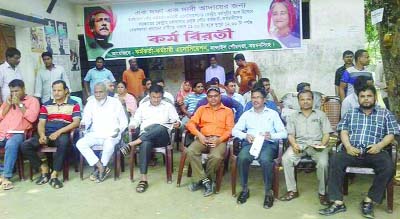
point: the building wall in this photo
(335, 26)
(63, 11)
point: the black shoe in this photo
(367, 209)
(103, 175)
(195, 186)
(243, 196)
(333, 209)
(268, 201)
(208, 188)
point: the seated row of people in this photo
(365, 131)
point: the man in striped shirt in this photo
(57, 118)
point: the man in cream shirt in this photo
(104, 120)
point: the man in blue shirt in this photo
(248, 128)
(365, 132)
(96, 75)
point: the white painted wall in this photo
(63, 11)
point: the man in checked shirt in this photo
(365, 132)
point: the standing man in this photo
(58, 117)
(152, 117)
(104, 119)
(247, 129)
(133, 78)
(250, 86)
(46, 76)
(9, 71)
(17, 113)
(246, 71)
(212, 124)
(309, 131)
(230, 86)
(348, 62)
(95, 75)
(350, 74)
(365, 132)
(215, 70)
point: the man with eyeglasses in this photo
(212, 125)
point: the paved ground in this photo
(118, 199)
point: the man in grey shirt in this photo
(308, 134)
(46, 76)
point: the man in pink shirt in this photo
(17, 113)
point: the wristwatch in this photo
(21, 105)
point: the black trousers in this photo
(154, 136)
(30, 147)
(381, 163)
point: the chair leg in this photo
(220, 175)
(275, 185)
(116, 158)
(66, 170)
(189, 172)
(169, 165)
(81, 166)
(346, 185)
(233, 175)
(30, 172)
(132, 162)
(181, 166)
(122, 163)
(21, 169)
(389, 194)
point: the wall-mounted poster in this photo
(51, 37)
(37, 39)
(63, 42)
(75, 67)
(181, 27)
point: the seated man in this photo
(17, 114)
(191, 100)
(104, 120)
(215, 122)
(308, 131)
(230, 86)
(247, 129)
(58, 117)
(167, 96)
(365, 132)
(154, 118)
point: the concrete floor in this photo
(118, 199)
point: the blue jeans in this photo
(11, 153)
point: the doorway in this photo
(196, 65)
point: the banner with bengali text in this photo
(191, 27)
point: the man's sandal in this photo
(7, 185)
(142, 186)
(55, 183)
(289, 196)
(43, 179)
